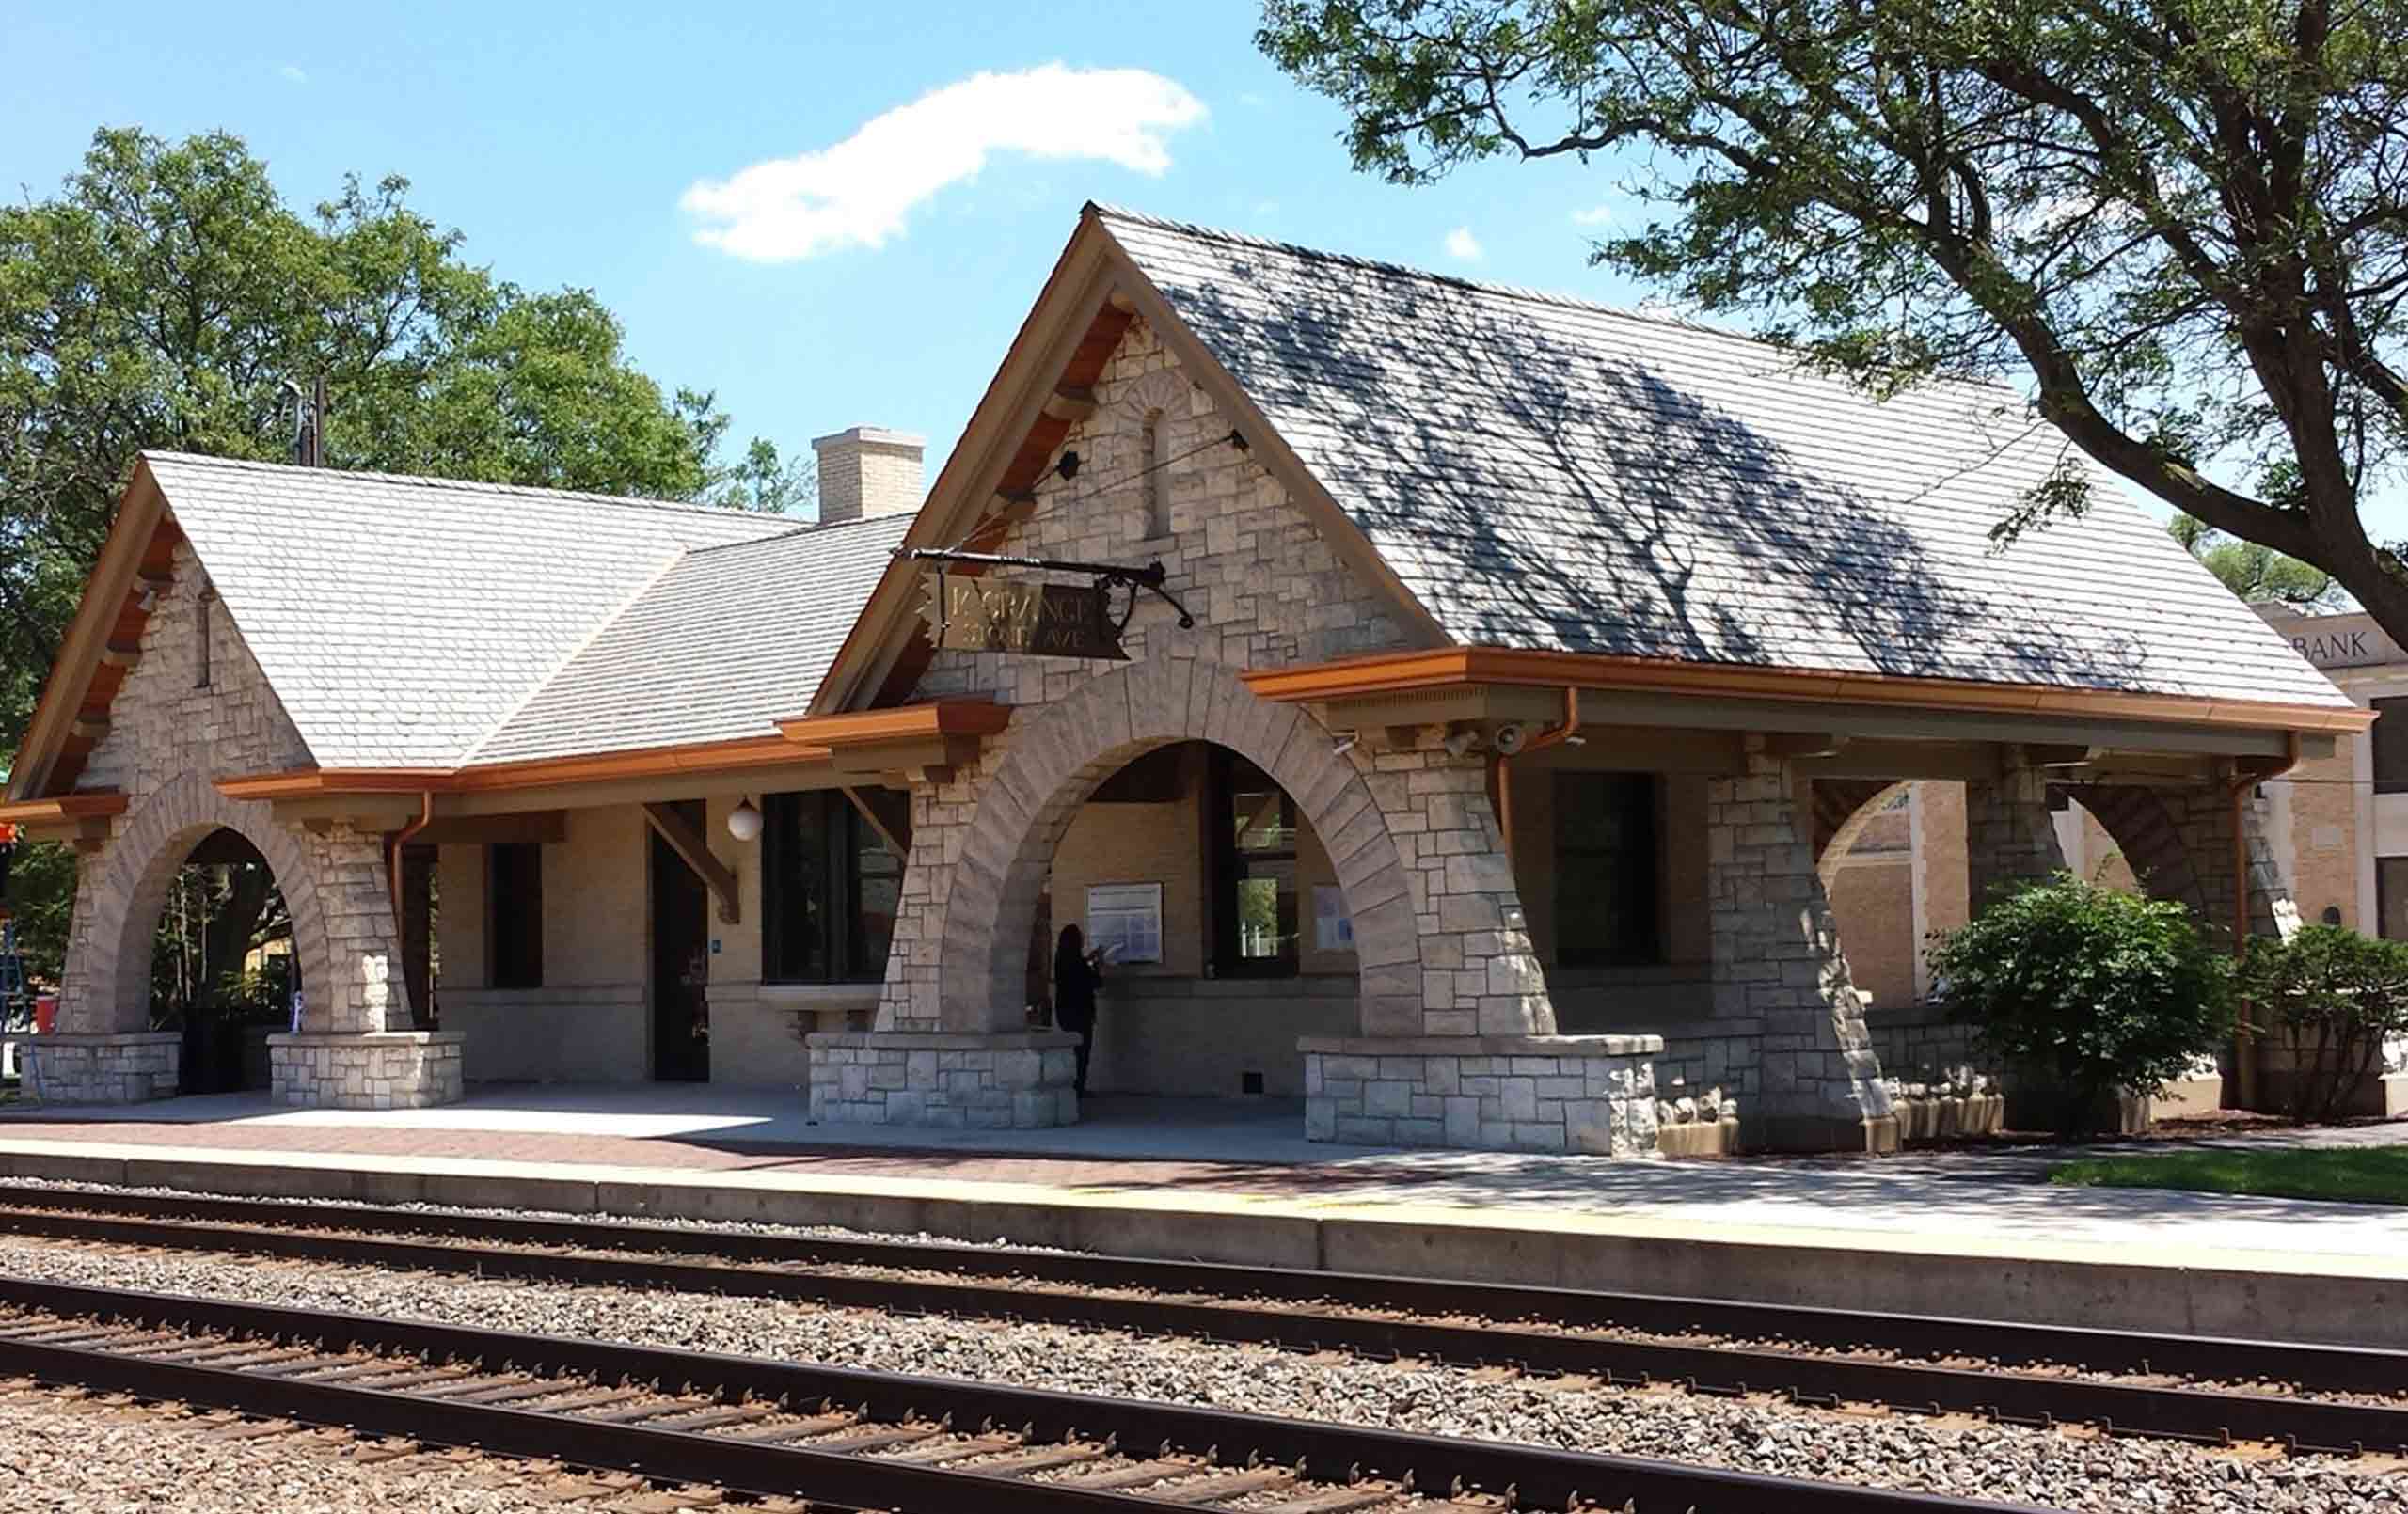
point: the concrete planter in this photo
(1950, 1116)
(1699, 1138)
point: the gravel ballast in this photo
(1968, 1459)
(55, 1458)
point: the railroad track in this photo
(825, 1438)
(2005, 1372)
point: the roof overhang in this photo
(877, 747)
(1491, 685)
(102, 641)
(82, 819)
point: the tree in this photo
(2179, 223)
(167, 297)
(2253, 572)
(2337, 999)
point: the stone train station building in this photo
(1519, 667)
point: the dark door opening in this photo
(681, 1047)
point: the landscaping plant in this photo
(2094, 990)
(2339, 997)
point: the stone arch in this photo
(131, 889)
(1842, 808)
(2141, 826)
(1059, 758)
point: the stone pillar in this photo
(1480, 974)
(359, 1048)
(127, 1067)
(2009, 837)
(2203, 817)
(1593, 1093)
(1778, 966)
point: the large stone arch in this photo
(1842, 808)
(110, 955)
(2136, 819)
(1069, 749)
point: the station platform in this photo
(1975, 1233)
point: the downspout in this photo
(1504, 764)
(2244, 1064)
(393, 886)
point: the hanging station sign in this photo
(987, 614)
(977, 611)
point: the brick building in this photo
(1526, 682)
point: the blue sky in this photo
(900, 212)
(564, 139)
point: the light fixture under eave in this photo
(744, 821)
(1343, 745)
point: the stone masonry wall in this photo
(976, 1082)
(1594, 1094)
(406, 1069)
(105, 1070)
(2009, 837)
(1777, 960)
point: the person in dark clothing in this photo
(1075, 982)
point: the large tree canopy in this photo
(2256, 574)
(168, 295)
(2179, 225)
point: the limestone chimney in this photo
(868, 471)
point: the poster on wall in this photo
(1125, 921)
(1333, 927)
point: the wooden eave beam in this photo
(689, 844)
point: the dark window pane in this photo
(1255, 907)
(2391, 897)
(2391, 746)
(796, 909)
(1605, 899)
(514, 913)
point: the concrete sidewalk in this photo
(1940, 1234)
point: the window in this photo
(2391, 897)
(830, 887)
(202, 605)
(1254, 829)
(2391, 746)
(514, 913)
(1157, 477)
(1606, 909)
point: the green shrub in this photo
(2095, 990)
(2339, 995)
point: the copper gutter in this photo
(2245, 1065)
(1502, 766)
(393, 845)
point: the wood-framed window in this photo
(830, 888)
(1252, 826)
(515, 914)
(1607, 902)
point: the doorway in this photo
(681, 1047)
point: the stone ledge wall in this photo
(131, 1068)
(391, 1070)
(978, 1082)
(1537, 1093)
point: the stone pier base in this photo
(1593, 1093)
(381, 1070)
(128, 1068)
(1012, 1080)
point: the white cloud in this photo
(292, 72)
(1597, 215)
(859, 192)
(1462, 244)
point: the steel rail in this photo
(1530, 1328)
(1537, 1477)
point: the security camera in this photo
(1460, 742)
(1510, 738)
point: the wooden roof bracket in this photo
(695, 852)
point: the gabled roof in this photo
(1542, 472)
(423, 624)
(726, 642)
